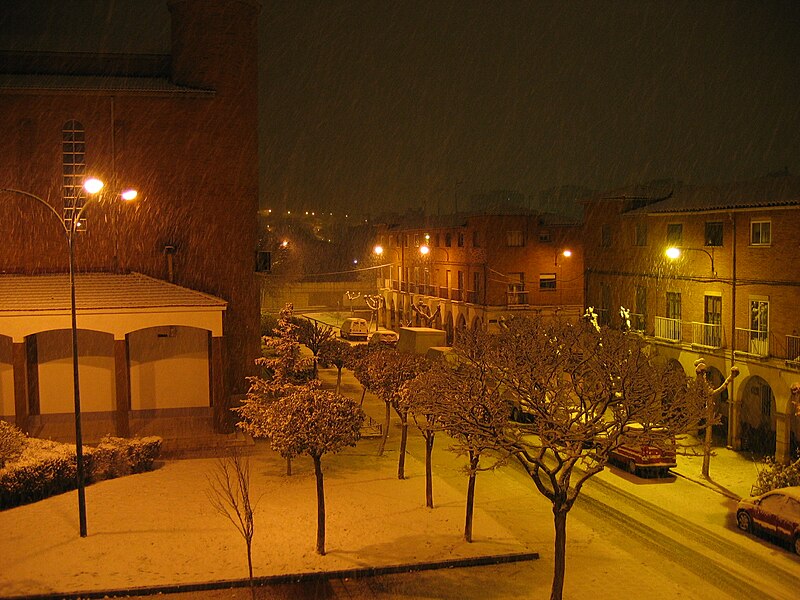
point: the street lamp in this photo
(92, 187)
(674, 253)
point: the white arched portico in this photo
(128, 325)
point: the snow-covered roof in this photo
(97, 291)
(24, 83)
(767, 192)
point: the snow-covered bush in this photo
(12, 441)
(45, 468)
(115, 457)
(774, 475)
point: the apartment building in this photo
(453, 272)
(712, 273)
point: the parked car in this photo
(651, 455)
(354, 328)
(385, 337)
(775, 514)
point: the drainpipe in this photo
(169, 252)
(734, 439)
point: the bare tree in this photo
(466, 399)
(711, 415)
(423, 401)
(582, 387)
(314, 422)
(229, 494)
(390, 369)
(423, 311)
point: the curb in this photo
(706, 485)
(290, 578)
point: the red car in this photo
(775, 514)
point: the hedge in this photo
(45, 468)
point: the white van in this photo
(354, 329)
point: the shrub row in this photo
(45, 468)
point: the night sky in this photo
(396, 104)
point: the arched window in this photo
(73, 164)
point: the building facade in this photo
(181, 129)
(457, 272)
(726, 292)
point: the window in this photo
(448, 239)
(641, 234)
(544, 237)
(476, 283)
(673, 305)
(416, 240)
(73, 165)
(515, 238)
(516, 289)
(460, 239)
(639, 318)
(714, 233)
(436, 240)
(263, 262)
(476, 240)
(605, 235)
(547, 281)
(760, 233)
(674, 234)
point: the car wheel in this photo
(743, 521)
(797, 544)
(632, 467)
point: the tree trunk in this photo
(339, 381)
(401, 461)
(386, 421)
(320, 506)
(250, 568)
(707, 438)
(429, 469)
(289, 467)
(560, 556)
(473, 473)
(363, 393)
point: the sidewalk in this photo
(158, 529)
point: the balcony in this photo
(753, 342)
(668, 329)
(444, 293)
(793, 351)
(638, 321)
(707, 335)
(517, 298)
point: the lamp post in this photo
(92, 187)
(674, 253)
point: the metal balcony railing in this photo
(752, 341)
(517, 298)
(638, 322)
(668, 329)
(707, 335)
(793, 350)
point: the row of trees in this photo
(578, 388)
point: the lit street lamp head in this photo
(93, 185)
(673, 253)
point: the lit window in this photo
(544, 237)
(547, 281)
(73, 168)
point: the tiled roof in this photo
(81, 83)
(767, 192)
(97, 291)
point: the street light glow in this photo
(567, 253)
(93, 185)
(378, 249)
(424, 250)
(129, 194)
(673, 253)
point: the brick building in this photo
(730, 296)
(166, 294)
(470, 271)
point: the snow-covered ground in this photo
(159, 528)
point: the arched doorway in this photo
(461, 325)
(477, 324)
(758, 417)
